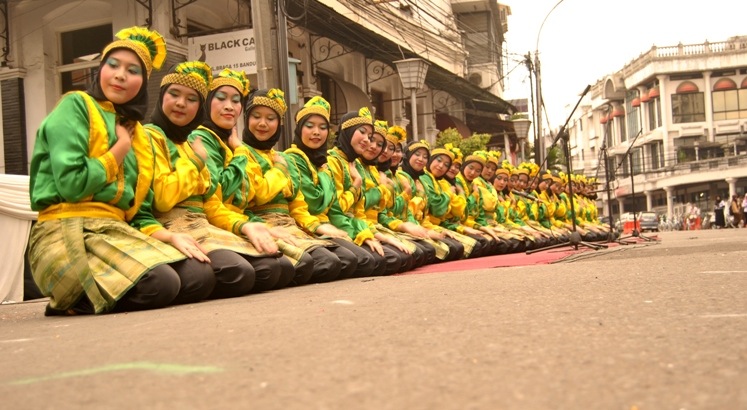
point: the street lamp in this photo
(412, 73)
(521, 128)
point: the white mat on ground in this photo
(16, 218)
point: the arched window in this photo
(688, 104)
(726, 100)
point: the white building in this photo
(676, 116)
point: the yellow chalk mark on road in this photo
(165, 368)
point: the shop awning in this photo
(374, 46)
(444, 121)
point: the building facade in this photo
(667, 130)
(341, 49)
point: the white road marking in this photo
(724, 271)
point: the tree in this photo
(449, 135)
(555, 159)
(475, 142)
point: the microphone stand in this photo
(605, 158)
(574, 238)
(636, 215)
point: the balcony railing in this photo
(685, 50)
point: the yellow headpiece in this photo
(273, 98)
(380, 127)
(364, 117)
(494, 157)
(193, 74)
(418, 144)
(477, 156)
(396, 135)
(147, 44)
(445, 150)
(236, 79)
(458, 156)
(316, 105)
(506, 168)
(549, 175)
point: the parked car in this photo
(649, 221)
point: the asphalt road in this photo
(659, 326)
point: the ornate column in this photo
(670, 205)
(732, 186)
(649, 199)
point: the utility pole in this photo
(272, 55)
(539, 147)
(263, 15)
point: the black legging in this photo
(428, 251)
(364, 261)
(456, 249)
(297, 275)
(234, 274)
(186, 281)
(327, 265)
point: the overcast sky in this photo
(584, 40)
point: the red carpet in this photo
(513, 259)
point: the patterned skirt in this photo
(466, 241)
(442, 249)
(100, 257)
(182, 220)
(306, 242)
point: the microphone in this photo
(524, 195)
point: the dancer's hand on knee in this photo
(260, 237)
(280, 233)
(375, 246)
(187, 245)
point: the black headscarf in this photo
(207, 121)
(406, 161)
(174, 132)
(248, 137)
(317, 156)
(133, 110)
(343, 140)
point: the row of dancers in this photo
(136, 216)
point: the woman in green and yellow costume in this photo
(489, 200)
(534, 211)
(414, 166)
(397, 216)
(550, 185)
(186, 195)
(512, 208)
(308, 155)
(374, 199)
(458, 216)
(91, 171)
(230, 171)
(565, 206)
(593, 232)
(485, 183)
(265, 111)
(474, 215)
(354, 138)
